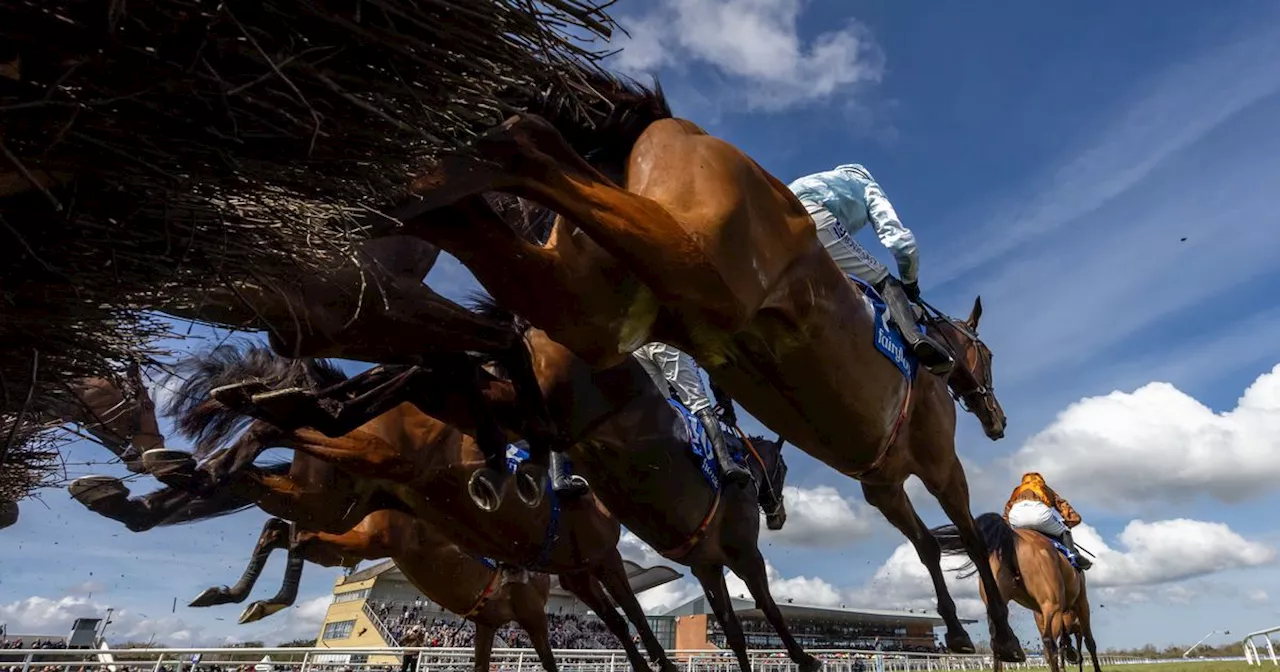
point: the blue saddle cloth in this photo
(1066, 552)
(700, 444)
(889, 340)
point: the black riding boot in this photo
(931, 354)
(730, 471)
(1070, 543)
(564, 482)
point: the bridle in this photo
(969, 386)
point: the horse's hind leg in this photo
(613, 576)
(484, 646)
(588, 589)
(892, 502)
(945, 479)
(275, 535)
(752, 571)
(1085, 631)
(642, 234)
(712, 579)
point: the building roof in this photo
(744, 607)
(640, 578)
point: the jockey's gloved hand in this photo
(913, 290)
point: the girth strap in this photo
(683, 550)
(893, 436)
(488, 592)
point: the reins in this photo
(974, 386)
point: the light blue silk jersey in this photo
(850, 193)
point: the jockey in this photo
(843, 200)
(1035, 506)
(672, 369)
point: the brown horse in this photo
(1032, 572)
(314, 491)
(703, 249)
(427, 465)
(634, 446)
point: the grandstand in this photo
(372, 607)
(815, 627)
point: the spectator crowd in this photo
(567, 631)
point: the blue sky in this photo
(1048, 157)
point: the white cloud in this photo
(798, 589)
(1094, 448)
(821, 517)
(87, 588)
(1259, 596)
(754, 43)
(39, 615)
(1169, 551)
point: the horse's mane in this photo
(206, 421)
(604, 129)
(998, 535)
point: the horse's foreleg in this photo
(531, 613)
(637, 230)
(613, 576)
(588, 589)
(713, 585)
(275, 534)
(946, 481)
(892, 502)
(752, 572)
(284, 598)
(1085, 631)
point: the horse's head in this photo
(971, 379)
(770, 471)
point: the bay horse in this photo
(426, 465)
(633, 446)
(1031, 571)
(670, 234)
(443, 572)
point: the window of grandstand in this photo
(351, 596)
(339, 630)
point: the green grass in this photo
(1181, 666)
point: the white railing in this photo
(331, 659)
(378, 624)
(1251, 654)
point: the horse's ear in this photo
(976, 314)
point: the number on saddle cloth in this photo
(700, 447)
(888, 339)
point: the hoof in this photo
(258, 611)
(213, 597)
(531, 485)
(1071, 654)
(809, 664)
(485, 489)
(161, 462)
(1008, 650)
(92, 490)
(960, 643)
(238, 396)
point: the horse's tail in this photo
(996, 533)
(603, 119)
(209, 423)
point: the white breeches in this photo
(669, 367)
(1033, 515)
(851, 257)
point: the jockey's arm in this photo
(1069, 516)
(898, 238)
